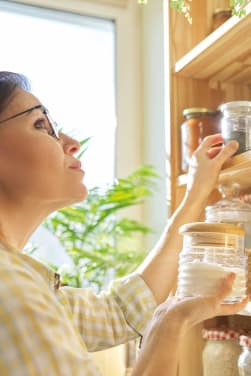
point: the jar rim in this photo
(198, 110)
(228, 106)
(219, 334)
(222, 10)
(225, 228)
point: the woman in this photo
(47, 329)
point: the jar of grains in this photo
(236, 123)
(221, 352)
(210, 251)
(244, 362)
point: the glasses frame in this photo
(51, 122)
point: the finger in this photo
(227, 151)
(231, 309)
(211, 153)
(212, 140)
(225, 286)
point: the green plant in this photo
(101, 243)
(183, 6)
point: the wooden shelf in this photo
(223, 56)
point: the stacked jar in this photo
(221, 352)
(244, 362)
(231, 209)
(210, 251)
(236, 123)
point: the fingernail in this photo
(233, 144)
(231, 275)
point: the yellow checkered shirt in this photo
(47, 330)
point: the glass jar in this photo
(210, 251)
(199, 123)
(236, 124)
(231, 209)
(221, 352)
(244, 362)
(220, 16)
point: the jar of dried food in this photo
(236, 123)
(220, 16)
(199, 122)
(244, 362)
(210, 251)
(221, 352)
(231, 209)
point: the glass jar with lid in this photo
(236, 123)
(199, 122)
(231, 209)
(221, 352)
(244, 362)
(210, 251)
(220, 16)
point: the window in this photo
(70, 60)
(122, 17)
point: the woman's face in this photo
(34, 165)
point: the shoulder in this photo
(20, 284)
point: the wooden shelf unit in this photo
(226, 42)
(206, 70)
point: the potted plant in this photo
(102, 243)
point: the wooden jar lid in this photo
(224, 228)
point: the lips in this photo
(76, 165)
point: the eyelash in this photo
(43, 121)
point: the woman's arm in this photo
(113, 317)
(159, 270)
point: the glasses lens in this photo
(53, 125)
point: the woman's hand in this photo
(171, 320)
(191, 311)
(187, 312)
(206, 163)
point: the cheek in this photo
(31, 158)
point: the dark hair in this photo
(9, 82)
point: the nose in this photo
(70, 145)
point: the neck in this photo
(18, 222)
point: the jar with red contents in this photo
(244, 362)
(199, 123)
(221, 352)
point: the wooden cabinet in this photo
(207, 69)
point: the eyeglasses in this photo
(52, 124)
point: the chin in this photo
(80, 195)
(74, 198)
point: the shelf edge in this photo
(210, 40)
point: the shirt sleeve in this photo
(36, 336)
(112, 317)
